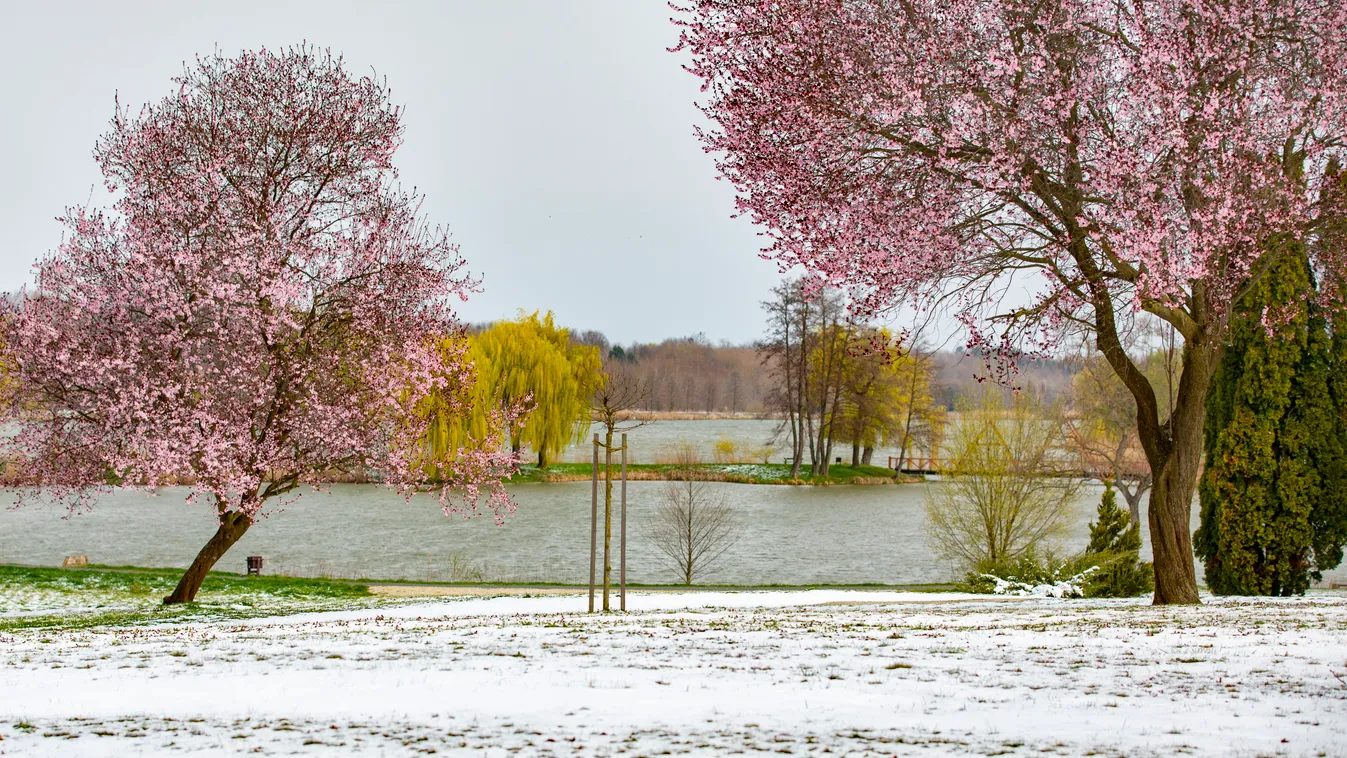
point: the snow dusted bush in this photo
(1072, 586)
(1031, 575)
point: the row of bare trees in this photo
(835, 382)
(690, 374)
(694, 375)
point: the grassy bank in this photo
(38, 598)
(737, 473)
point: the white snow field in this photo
(842, 673)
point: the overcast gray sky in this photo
(554, 138)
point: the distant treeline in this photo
(690, 374)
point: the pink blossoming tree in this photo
(1110, 157)
(260, 308)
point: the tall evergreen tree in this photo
(1115, 547)
(1272, 490)
(1328, 518)
(1319, 414)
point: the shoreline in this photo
(729, 473)
(696, 416)
(417, 587)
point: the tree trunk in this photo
(855, 454)
(1176, 464)
(1169, 513)
(867, 455)
(1133, 498)
(542, 459)
(232, 526)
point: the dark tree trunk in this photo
(1169, 513)
(867, 455)
(232, 526)
(1176, 464)
(1173, 447)
(542, 459)
(855, 454)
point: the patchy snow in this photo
(761, 471)
(700, 673)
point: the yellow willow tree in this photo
(526, 361)
(886, 396)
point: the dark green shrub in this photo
(1115, 547)
(1032, 574)
(1109, 567)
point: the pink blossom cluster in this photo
(1140, 153)
(261, 306)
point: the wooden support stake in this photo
(623, 570)
(593, 520)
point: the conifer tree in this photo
(1328, 516)
(1273, 443)
(1115, 546)
(1328, 437)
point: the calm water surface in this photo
(791, 535)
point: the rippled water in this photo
(791, 535)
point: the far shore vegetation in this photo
(736, 473)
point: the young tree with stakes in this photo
(1111, 157)
(261, 307)
(621, 392)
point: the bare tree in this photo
(779, 350)
(692, 526)
(1102, 428)
(804, 368)
(1005, 492)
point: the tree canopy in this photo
(256, 310)
(1113, 157)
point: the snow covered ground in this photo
(702, 673)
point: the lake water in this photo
(791, 534)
